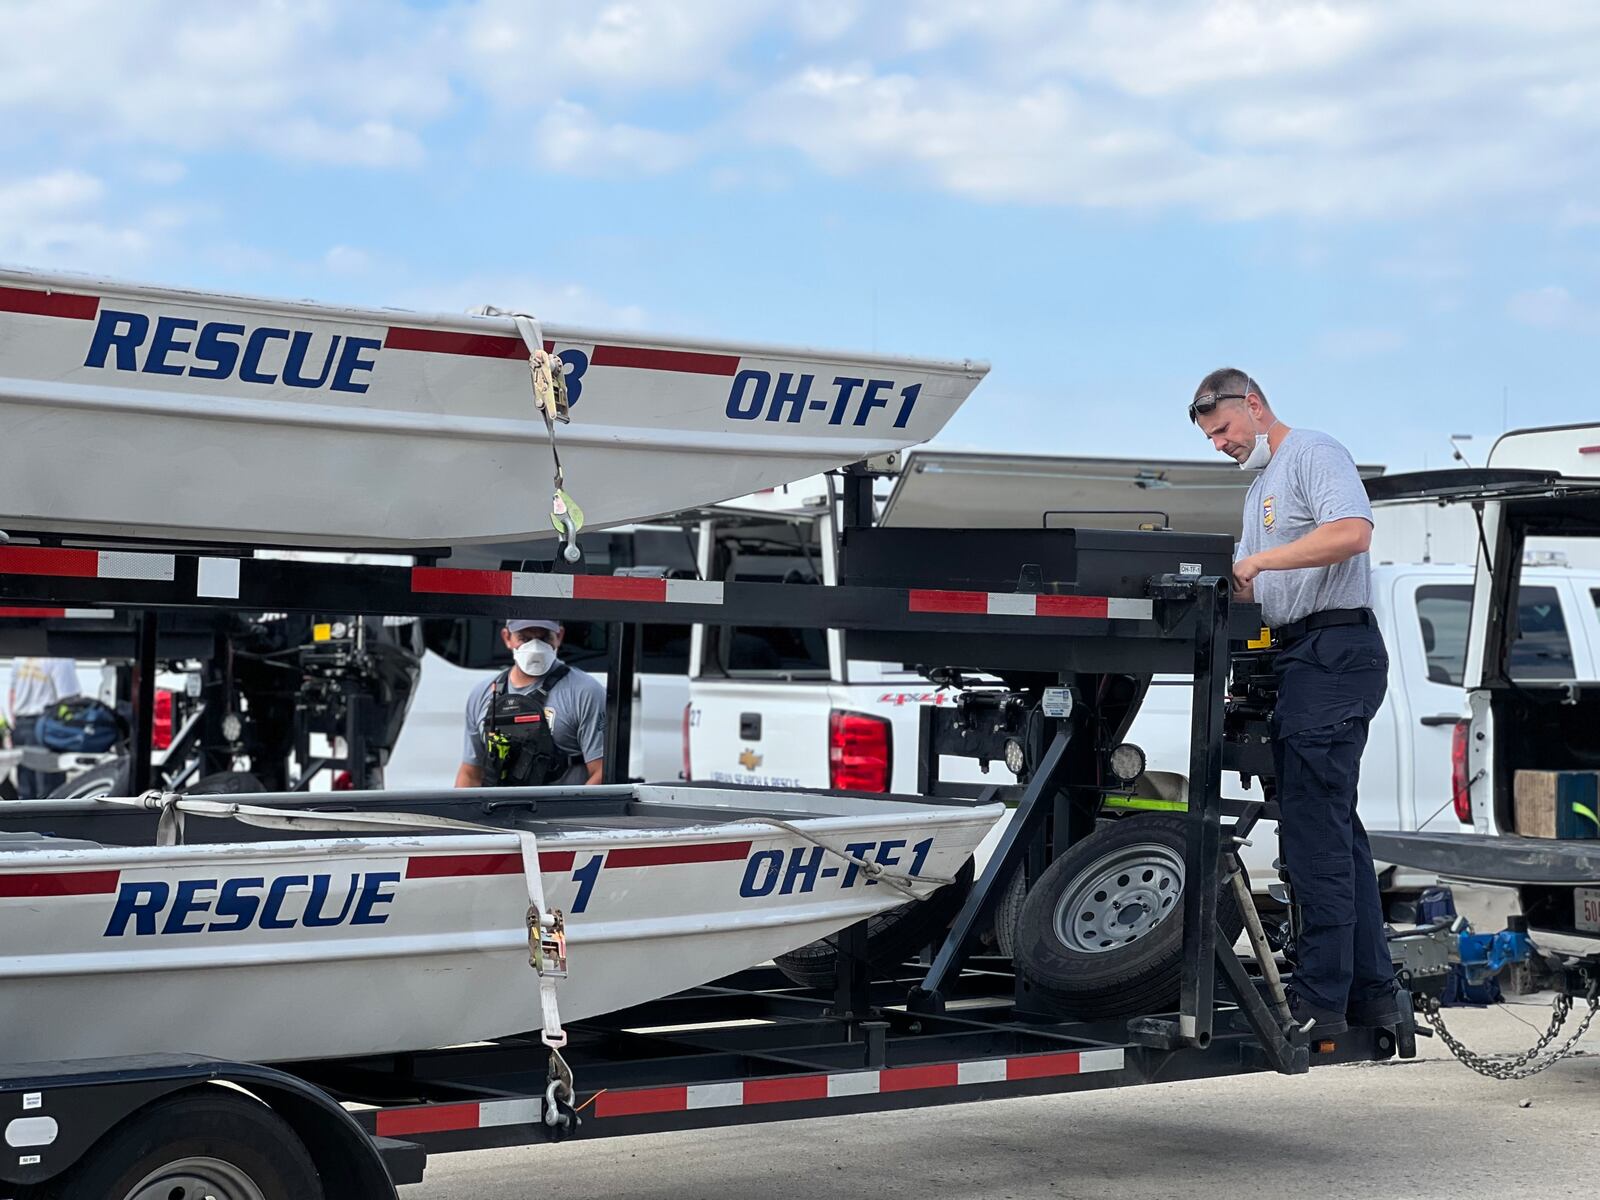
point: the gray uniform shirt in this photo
(579, 701)
(1310, 481)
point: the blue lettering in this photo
(873, 398)
(212, 349)
(139, 902)
(185, 905)
(803, 868)
(885, 855)
(314, 918)
(908, 401)
(351, 361)
(769, 860)
(271, 914)
(790, 397)
(847, 388)
(239, 908)
(164, 343)
(577, 362)
(372, 893)
(250, 368)
(855, 850)
(123, 332)
(739, 407)
(298, 345)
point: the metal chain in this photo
(1515, 1066)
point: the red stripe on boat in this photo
(665, 856)
(59, 883)
(454, 866)
(641, 1101)
(454, 582)
(436, 1118)
(692, 362)
(44, 560)
(49, 304)
(934, 600)
(450, 341)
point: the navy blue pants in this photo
(1330, 685)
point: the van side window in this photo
(1542, 649)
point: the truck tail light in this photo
(687, 773)
(1460, 787)
(161, 722)
(860, 752)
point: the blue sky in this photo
(1389, 212)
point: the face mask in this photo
(535, 657)
(1261, 454)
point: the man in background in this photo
(36, 684)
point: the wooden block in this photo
(1535, 795)
(1557, 804)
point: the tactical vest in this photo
(520, 745)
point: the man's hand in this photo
(1246, 570)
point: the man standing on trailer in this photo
(539, 721)
(1303, 558)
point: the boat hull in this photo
(330, 947)
(199, 417)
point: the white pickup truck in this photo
(790, 708)
(1538, 484)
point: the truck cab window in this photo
(1542, 649)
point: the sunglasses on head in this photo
(1207, 403)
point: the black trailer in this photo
(1074, 622)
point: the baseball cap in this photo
(517, 626)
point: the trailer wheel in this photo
(198, 1145)
(108, 779)
(1101, 932)
(892, 937)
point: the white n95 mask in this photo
(535, 657)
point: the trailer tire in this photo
(203, 1142)
(892, 937)
(1101, 932)
(108, 779)
(224, 783)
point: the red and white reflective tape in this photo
(38, 303)
(1019, 604)
(87, 564)
(454, 582)
(446, 1118)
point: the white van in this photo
(789, 708)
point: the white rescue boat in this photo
(296, 424)
(330, 945)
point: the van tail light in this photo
(1460, 788)
(860, 752)
(687, 773)
(161, 724)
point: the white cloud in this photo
(54, 221)
(1554, 307)
(569, 138)
(347, 260)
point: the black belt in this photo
(1295, 630)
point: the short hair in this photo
(1229, 381)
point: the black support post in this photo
(144, 701)
(1203, 844)
(622, 668)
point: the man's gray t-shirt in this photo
(579, 701)
(1310, 481)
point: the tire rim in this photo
(197, 1179)
(1118, 899)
